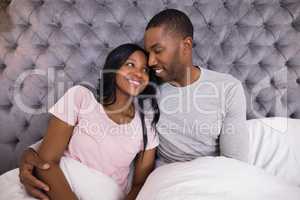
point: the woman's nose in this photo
(138, 73)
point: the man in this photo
(203, 112)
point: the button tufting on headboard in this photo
(135, 3)
(2, 66)
(64, 42)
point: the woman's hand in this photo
(144, 165)
(33, 186)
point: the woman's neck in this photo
(123, 103)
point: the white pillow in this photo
(275, 146)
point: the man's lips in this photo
(158, 70)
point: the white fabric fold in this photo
(87, 183)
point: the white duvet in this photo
(274, 150)
(207, 178)
(215, 178)
(87, 183)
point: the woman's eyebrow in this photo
(131, 59)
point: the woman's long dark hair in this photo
(106, 88)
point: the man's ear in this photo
(188, 44)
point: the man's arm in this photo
(36, 145)
(144, 165)
(234, 138)
(33, 186)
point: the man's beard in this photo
(174, 72)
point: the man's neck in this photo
(189, 76)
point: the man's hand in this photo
(33, 186)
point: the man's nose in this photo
(152, 60)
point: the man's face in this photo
(164, 53)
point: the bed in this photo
(47, 46)
(272, 172)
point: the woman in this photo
(107, 131)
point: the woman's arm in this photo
(144, 165)
(52, 148)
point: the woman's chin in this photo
(134, 92)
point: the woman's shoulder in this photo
(80, 90)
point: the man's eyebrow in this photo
(154, 46)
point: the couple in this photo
(201, 113)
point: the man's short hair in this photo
(173, 20)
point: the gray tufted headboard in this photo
(51, 45)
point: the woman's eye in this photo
(146, 70)
(130, 64)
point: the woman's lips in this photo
(134, 82)
(137, 83)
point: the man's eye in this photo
(157, 51)
(146, 70)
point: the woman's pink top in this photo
(97, 141)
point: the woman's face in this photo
(132, 77)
